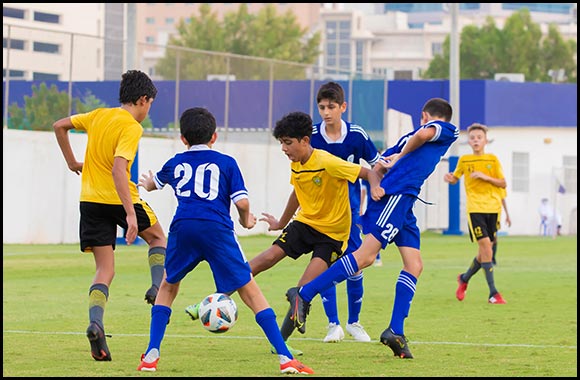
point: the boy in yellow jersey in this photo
(321, 196)
(108, 197)
(484, 184)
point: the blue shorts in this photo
(391, 219)
(191, 241)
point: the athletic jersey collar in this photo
(343, 131)
(199, 147)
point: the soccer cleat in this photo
(461, 288)
(358, 332)
(397, 343)
(497, 299)
(335, 333)
(193, 311)
(151, 294)
(294, 366)
(299, 309)
(99, 350)
(293, 351)
(147, 367)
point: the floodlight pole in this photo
(454, 75)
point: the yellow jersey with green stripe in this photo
(321, 186)
(482, 196)
(112, 132)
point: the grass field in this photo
(45, 299)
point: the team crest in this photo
(317, 180)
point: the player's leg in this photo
(408, 241)
(98, 233)
(151, 231)
(253, 297)
(485, 254)
(184, 252)
(475, 221)
(98, 298)
(355, 291)
(160, 316)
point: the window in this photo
(521, 172)
(43, 47)
(570, 174)
(14, 74)
(44, 76)
(150, 20)
(47, 17)
(14, 44)
(436, 49)
(13, 13)
(169, 21)
(150, 39)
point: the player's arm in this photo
(246, 219)
(119, 172)
(508, 220)
(287, 215)
(422, 136)
(450, 178)
(499, 182)
(374, 180)
(61, 128)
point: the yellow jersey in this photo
(482, 196)
(321, 186)
(112, 132)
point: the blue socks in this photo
(404, 293)
(345, 267)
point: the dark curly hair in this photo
(135, 84)
(294, 125)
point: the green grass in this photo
(45, 299)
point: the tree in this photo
(240, 35)
(45, 106)
(517, 48)
(48, 104)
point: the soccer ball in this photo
(218, 313)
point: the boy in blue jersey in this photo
(205, 183)
(317, 216)
(389, 218)
(351, 143)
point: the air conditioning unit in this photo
(510, 77)
(221, 77)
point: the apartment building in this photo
(98, 41)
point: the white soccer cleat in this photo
(335, 334)
(358, 332)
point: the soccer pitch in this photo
(45, 300)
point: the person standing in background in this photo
(484, 184)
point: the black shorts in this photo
(482, 225)
(99, 221)
(298, 239)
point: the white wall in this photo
(40, 194)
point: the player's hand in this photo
(132, 229)
(273, 223)
(377, 193)
(449, 177)
(389, 161)
(76, 167)
(250, 223)
(146, 181)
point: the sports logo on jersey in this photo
(317, 180)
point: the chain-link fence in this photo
(49, 75)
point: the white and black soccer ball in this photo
(218, 312)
